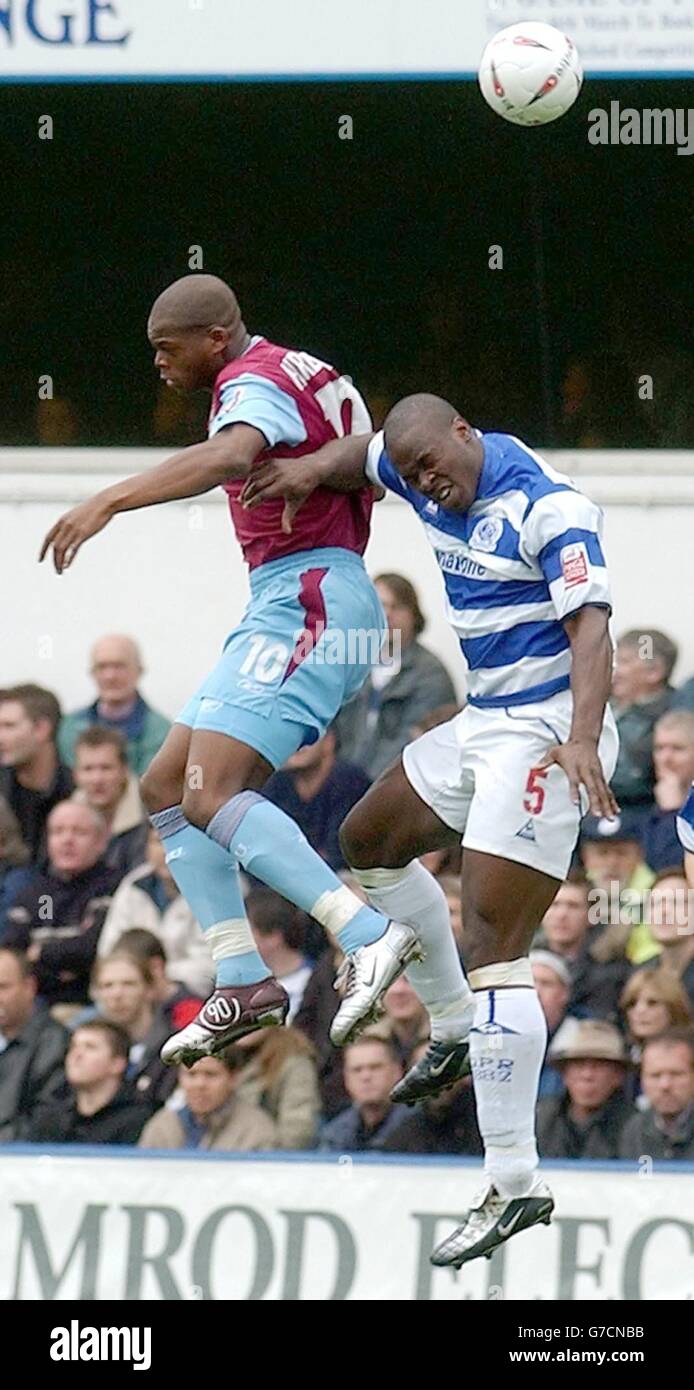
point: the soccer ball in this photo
(530, 73)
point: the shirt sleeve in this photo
(380, 471)
(685, 824)
(253, 400)
(562, 532)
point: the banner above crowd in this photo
(222, 1227)
(226, 40)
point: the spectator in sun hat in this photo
(588, 1119)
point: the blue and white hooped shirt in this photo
(685, 823)
(525, 556)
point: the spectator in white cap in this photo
(553, 984)
(587, 1121)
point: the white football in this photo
(530, 73)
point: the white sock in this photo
(412, 895)
(507, 1047)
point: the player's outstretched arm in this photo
(189, 473)
(339, 465)
(591, 680)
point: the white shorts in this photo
(479, 774)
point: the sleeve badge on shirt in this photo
(574, 564)
(229, 401)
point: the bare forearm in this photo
(340, 465)
(189, 473)
(591, 671)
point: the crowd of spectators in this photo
(101, 958)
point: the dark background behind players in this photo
(422, 154)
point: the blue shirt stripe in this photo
(549, 555)
(522, 697)
(490, 593)
(525, 639)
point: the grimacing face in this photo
(441, 468)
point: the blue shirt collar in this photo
(486, 485)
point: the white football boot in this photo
(364, 977)
(491, 1220)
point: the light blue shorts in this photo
(306, 643)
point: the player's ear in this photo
(220, 335)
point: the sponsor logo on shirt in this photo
(451, 563)
(574, 564)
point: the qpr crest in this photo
(486, 533)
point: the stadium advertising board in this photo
(131, 1227)
(227, 40)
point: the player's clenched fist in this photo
(73, 529)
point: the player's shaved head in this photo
(418, 419)
(197, 301)
(434, 449)
(195, 327)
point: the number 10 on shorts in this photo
(534, 798)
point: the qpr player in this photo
(270, 692)
(519, 548)
(685, 831)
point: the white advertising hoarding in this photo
(134, 1227)
(234, 40)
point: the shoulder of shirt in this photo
(517, 467)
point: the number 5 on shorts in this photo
(534, 798)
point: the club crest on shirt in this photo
(486, 533)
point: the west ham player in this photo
(270, 692)
(527, 593)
